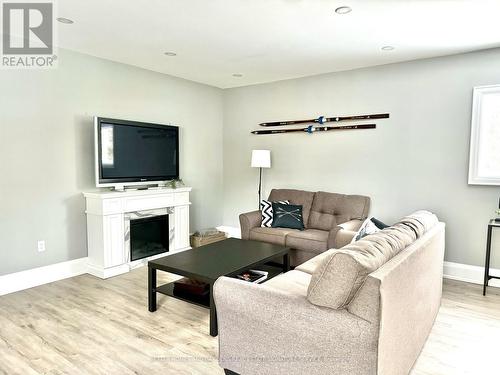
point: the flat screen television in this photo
(135, 153)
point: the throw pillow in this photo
(368, 227)
(378, 223)
(266, 208)
(287, 216)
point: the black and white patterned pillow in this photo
(266, 207)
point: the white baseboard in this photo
(470, 274)
(234, 232)
(14, 282)
(104, 273)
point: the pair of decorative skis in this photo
(316, 126)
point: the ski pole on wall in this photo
(314, 128)
(322, 120)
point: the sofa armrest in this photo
(352, 225)
(332, 235)
(344, 237)
(248, 221)
(410, 298)
(258, 323)
(343, 234)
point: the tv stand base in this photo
(108, 230)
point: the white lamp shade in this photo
(261, 159)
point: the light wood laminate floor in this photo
(84, 325)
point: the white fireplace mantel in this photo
(108, 219)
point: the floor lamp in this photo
(261, 159)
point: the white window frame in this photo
(475, 136)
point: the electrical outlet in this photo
(41, 246)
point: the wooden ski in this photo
(314, 128)
(322, 120)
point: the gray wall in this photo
(46, 148)
(416, 159)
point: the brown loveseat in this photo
(331, 221)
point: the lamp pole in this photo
(260, 186)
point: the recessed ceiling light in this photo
(387, 48)
(170, 54)
(237, 75)
(343, 10)
(64, 20)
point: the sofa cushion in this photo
(298, 197)
(312, 240)
(294, 282)
(312, 264)
(271, 235)
(331, 209)
(420, 221)
(342, 272)
(297, 257)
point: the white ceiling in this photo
(269, 40)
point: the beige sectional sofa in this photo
(364, 309)
(330, 220)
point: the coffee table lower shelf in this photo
(168, 290)
(204, 300)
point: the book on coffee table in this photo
(252, 276)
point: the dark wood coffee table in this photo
(208, 263)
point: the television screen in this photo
(135, 152)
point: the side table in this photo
(487, 277)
